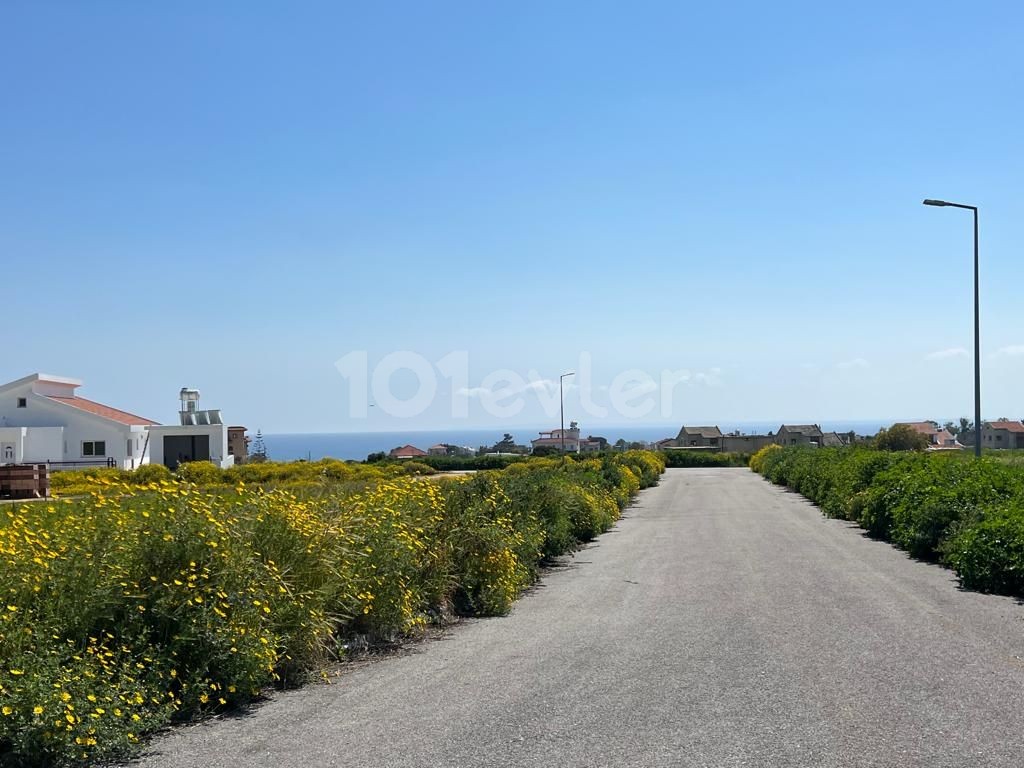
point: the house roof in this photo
(1009, 426)
(50, 379)
(702, 431)
(832, 440)
(98, 409)
(408, 450)
(803, 429)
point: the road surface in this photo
(724, 622)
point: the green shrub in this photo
(934, 505)
(150, 473)
(900, 437)
(758, 460)
(681, 457)
(988, 554)
(417, 468)
(200, 473)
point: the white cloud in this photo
(1014, 350)
(513, 388)
(545, 385)
(946, 354)
(847, 365)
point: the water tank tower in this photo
(189, 405)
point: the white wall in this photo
(43, 444)
(78, 426)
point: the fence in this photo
(24, 481)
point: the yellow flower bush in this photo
(153, 598)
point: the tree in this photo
(901, 437)
(259, 450)
(952, 428)
(507, 444)
(966, 425)
(620, 444)
(374, 458)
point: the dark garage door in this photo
(181, 448)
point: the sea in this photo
(358, 445)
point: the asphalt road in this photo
(724, 622)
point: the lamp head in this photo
(939, 203)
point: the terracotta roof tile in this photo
(98, 409)
(1009, 426)
(407, 450)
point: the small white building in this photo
(201, 436)
(42, 420)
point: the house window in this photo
(94, 448)
(128, 452)
(23, 402)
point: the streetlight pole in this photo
(977, 323)
(561, 407)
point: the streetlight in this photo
(561, 407)
(977, 333)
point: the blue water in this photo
(358, 445)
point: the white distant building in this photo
(568, 440)
(43, 420)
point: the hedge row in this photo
(966, 513)
(461, 463)
(146, 603)
(293, 474)
(703, 458)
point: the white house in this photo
(42, 420)
(568, 440)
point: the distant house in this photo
(567, 440)
(938, 437)
(1002, 434)
(447, 449)
(238, 444)
(832, 440)
(406, 452)
(699, 437)
(799, 434)
(745, 443)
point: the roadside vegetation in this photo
(680, 457)
(157, 598)
(293, 475)
(945, 506)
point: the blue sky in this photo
(236, 196)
